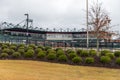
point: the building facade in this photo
(49, 38)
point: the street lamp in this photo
(27, 27)
(87, 24)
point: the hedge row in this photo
(8, 51)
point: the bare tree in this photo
(99, 21)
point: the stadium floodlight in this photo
(27, 20)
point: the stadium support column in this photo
(87, 24)
(27, 20)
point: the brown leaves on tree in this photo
(99, 21)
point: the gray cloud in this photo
(53, 13)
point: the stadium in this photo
(25, 33)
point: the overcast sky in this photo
(54, 13)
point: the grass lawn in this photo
(36, 70)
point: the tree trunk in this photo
(97, 45)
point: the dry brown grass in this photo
(36, 70)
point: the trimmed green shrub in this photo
(77, 59)
(111, 55)
(89, 60)
(51, 51)
(6, 50)
(45, 52)
(4, 55)
(11, 51)
(4, 46)
(118, 61)
(32, 46)
(51, 56)
(117, 53)
(21, 45)
(105, 59)
(70, 51)
(29, 48)
(92, 53)
(79, 51)
(72, 55)
(16, 55)
(22, 51)
(62, 58)
(13, 47)
(1, 44)
(60, 52)
(38, 50)
(84, 53)
(41, 47)
(41, 55)
(104, 52)
(57, 49)
(29, 54)
(47, 47)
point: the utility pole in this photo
(87, 24)
(27, 20)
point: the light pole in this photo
(87, 24)
(27, 27)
